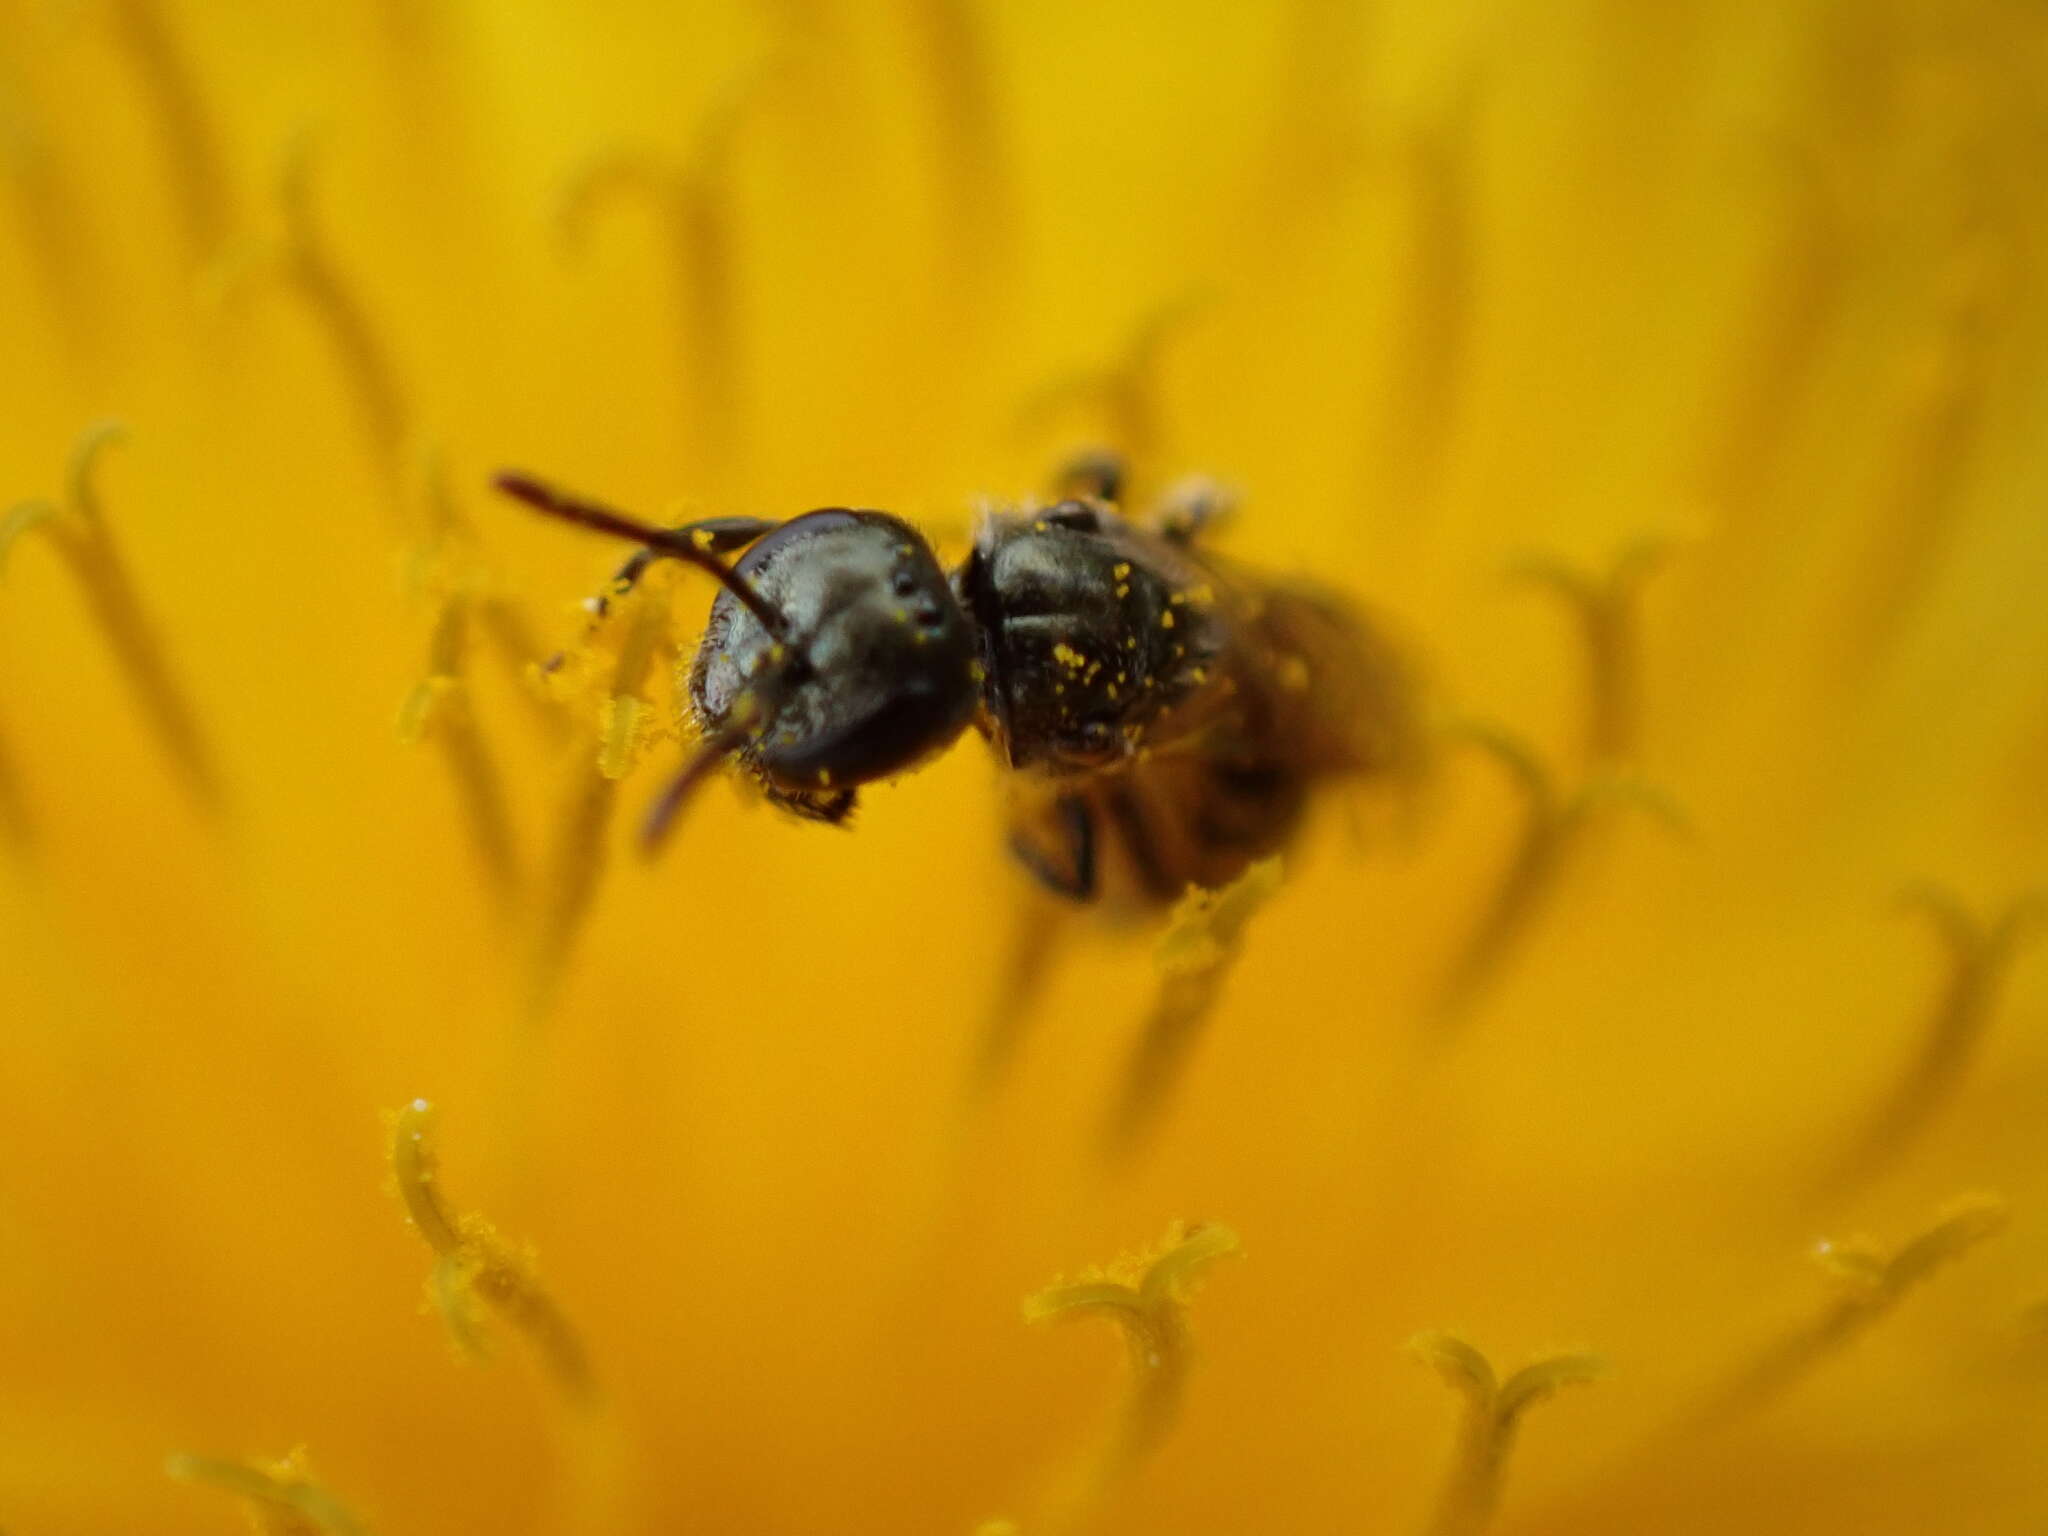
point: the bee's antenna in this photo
(661, 816)
(543, 497)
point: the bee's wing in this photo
(1344, 694)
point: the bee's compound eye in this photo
(905, 581)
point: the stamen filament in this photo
(1779, 342)
(1437, 280)
(440, 706)
(578, 861)
(282, 1496)
(450, 558)
(1980, 956)
(300, 257)
(1554, 826)
(973, 177)
(176, 101)
(1871, 1285)
(693, 202)
(473, 1262)
(1147, 1299)
(1195, 957)
(1493, 1414)
(83, 537)
(1125, 390)
(1606, 609)
(16, 827)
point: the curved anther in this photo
(1493, 1413)
(1605, 609)
(1980, 955)
(1555, 822)
(1870, 1283)
(473, 1264)
(1147, 1299)
(283, 1498)
(83, 537)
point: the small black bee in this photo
(1164, 714)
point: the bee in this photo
(1163, 714)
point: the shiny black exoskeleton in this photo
(1163, 715)
(836, 654)
(874, 673)
(1166, 713)
(1088, 634)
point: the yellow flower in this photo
(1669, 377)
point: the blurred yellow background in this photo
(1441, 288)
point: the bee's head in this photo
(874, 665)
(836, 653)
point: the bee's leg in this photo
(1098, 474)
(715, 535)
(1036, 926)
(1141, 841)
(1191, 507)
(832, 806)
(1056, 843)
(1069, 869)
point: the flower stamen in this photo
(973, 179)
(624, 717)
(176, 102)
(1036, 928)
(83, 537)
(1493, 1413)
(1438, 280)
(1554, 826)
(1980, 955)
(1606, 610)
(282, 1496)
(1147, 1298)
(1870, 1285)
(473, 1264)
(449, 559)
(692, 200)
(300, 258)
(439, 706)
(1125, 391)
(1196, 954)
(1796, 299)
(16, 828)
